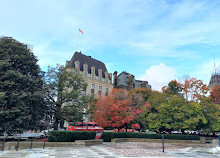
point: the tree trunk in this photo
(183, 131)
(57, 121)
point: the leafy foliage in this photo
(22, 104)
(70, 136)
(145, 93)
(173, 88)
(215, 94)
(194, 88)
(117, 110)
(64, 93)
(176, 114)
(211, 111)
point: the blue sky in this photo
(156, 40)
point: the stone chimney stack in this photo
(110, 75)
(115, 79)
(67, 63)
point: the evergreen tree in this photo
(21, 97)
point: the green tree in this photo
(145, 118)
(176, 114)
(173, 87)
(64, 91)
(22, 104)
(91, 107)
(211, 112)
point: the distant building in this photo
(127, 81)
(215, 80)
(94, 73)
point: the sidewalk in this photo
(118, 150)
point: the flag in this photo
(80, 31)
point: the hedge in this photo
(107, 136)
(70, 136)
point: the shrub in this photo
(107, 136)
(70, 136)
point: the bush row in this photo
(107, 136)
(70, 136)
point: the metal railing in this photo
(19, 138)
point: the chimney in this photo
(110, 75)
(115, 79)
(67, 63)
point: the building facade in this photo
(215, 80)
(94, 73)
(127, 81)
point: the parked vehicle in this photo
(84, 126)
(176, 132)
(124, 130)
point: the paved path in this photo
(109, 150)
(62, 152)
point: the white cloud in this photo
(139, 28)
(159, 75)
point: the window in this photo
(92, 90)
(85, 68)
(85, 74)
(106, 80)
(100, 78)
(92, 76)
(77, 71)
(84, 91)
(77, 65)
(100, 90)
(93, 70)
(100, 73)
(106, 92)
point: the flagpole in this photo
(80, 31)
(77, 45)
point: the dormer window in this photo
(77, 64)
(106, 74)
(93, 70)
(100, 72)
(85, 67)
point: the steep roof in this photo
(122, 81)
(215, 80)
(83, 59)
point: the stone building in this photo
(127, 81)
(215, 80)
(94, 73)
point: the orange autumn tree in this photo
(215, 94)
(194, 88)
(116, 110)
